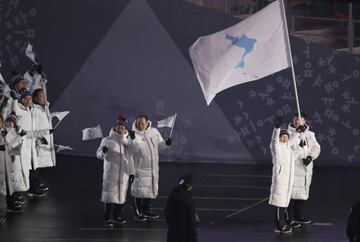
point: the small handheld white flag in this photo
(62, 147)
(252, 49)
(60, 116)
(30, 53)
(92, 133)
(168, 122)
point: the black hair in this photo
(142, 116)
(36, 92)
(302, 114)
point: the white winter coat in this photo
(145, 153)
(283, 159)
(19, 173)
(303, 174)
(5, 170)
(42, 121)
(117, 167)
(25, 121)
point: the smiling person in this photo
(146, 162)
(117, 168)
(283, 158)
(301, 135)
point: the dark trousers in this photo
(142, 205)
(280, 217)
(35, 180)
(295, 209)
(112, 211)
(2, 205)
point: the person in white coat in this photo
(146, 162)
(45, 150)
(6, 185)
(24, 110)
(13, 143)
(117, 168)
(283, 158)
(301, 135)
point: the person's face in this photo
(296, 122)
(20, 85)
(41, 98)
(284, 138)
(141, 124)
(27, 101)
(120, 129)
(10, 125)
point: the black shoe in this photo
(140, 218)
(151, 215)
(284, 230)
(109, 224)
(303, 220)
(119, 221)
(294, 224)
(2, 220)
(15, 208)
(36, 194)
(43, 187)
(19, 199)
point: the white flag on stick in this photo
(92, 133)
(168, 122)
(252, 49)
(30, 53)
(60, 116)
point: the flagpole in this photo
(291, 60)
(172, 128)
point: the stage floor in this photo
(231, 201)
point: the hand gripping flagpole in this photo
(172, 127)
(291, 60)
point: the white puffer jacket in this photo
(283, 159)
(45, 152)
(117, 167)
(303, 174)
(145, 153)
(25, 121)
(19, 173)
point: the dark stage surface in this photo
(231, 202)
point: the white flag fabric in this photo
(62, 147)
(30, 53)
(59, 115)
(252, 49)
(168, 122)
(92, 133)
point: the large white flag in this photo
(168, 122)
(254, 48)
(92, 133)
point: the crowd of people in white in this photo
(26, 139)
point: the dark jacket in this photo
(181, 216)
(353, 226)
